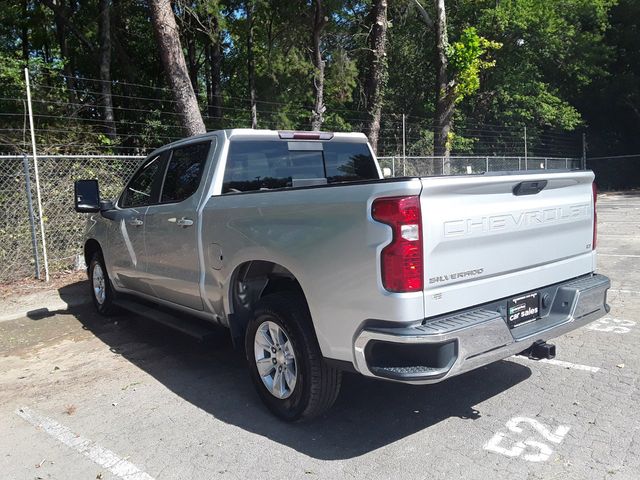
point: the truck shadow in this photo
(368, 414)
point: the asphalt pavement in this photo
(82, 397)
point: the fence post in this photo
(442, 166)
(487, 162)
(32, 222)
(35, 169)
(519, 164)
(584, 151)
(545, 163)
(404, 139)
(393, 166)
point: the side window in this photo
(143, 187)
(184, 172)
(349, 162)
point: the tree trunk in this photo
(251, 68)
(46, 52)
(377, 70)
(60, 17)
(61, 33)
(215, 65)
(25, 33)
(214, 60)
(319, 23)
(207, 76)
(118, 43)
(105, 67)
(192, 54)
(445, 95)
(193, 65)
(168, 40)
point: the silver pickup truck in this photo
(317, 264)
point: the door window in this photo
(142, 189)
(184, 172)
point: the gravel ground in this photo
(85, 398)
(30, 286)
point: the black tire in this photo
(106, 307)
(317, 384)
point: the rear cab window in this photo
(254, 165)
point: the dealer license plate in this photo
(523, 309)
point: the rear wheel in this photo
(101, 291)
(285, 362)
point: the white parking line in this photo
(561, 363)
(604, 220)
(103, 457)
(617, 205)
(617, 235)
(573, 366)
(617, 255)
(616, 290)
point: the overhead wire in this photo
(149, 113)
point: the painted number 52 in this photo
(531, 450)
(613, 325)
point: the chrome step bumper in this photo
(446, 346)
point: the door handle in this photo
(181, 222)
(136, 222)
(185, 222)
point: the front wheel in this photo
(101, 291)
(285, 362)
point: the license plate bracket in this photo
(523, 308)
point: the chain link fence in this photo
(20, 246)
(64, 228)
(16, 242)
(458, 165)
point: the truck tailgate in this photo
(493, 236)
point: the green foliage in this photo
(461, 144)
(467, 59)
(551, 52)
(11, 70)
(545, 64)
(342, 77)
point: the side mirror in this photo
(87, 196)
(106, 205)
(386, 172)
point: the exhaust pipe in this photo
(540, 350)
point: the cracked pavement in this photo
(180, 410)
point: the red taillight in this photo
(594, 188)
(401, 260)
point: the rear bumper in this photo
(445, 346)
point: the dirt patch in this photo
(25, 337)
(27, 286)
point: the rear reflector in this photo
(306, 135)
(401, 261)
(594, 188)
